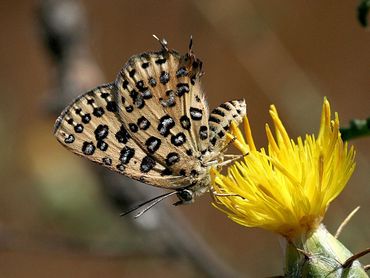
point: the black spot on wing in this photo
(78, 128)
(103, 95)
(137, 99)
(70, 139)
(181, 72)
(178, 139)
(147, 164)
(196, 113)
(226, 127)
(129, 108)
(226, 106)
(214, 119)
(88, 148)
(164, 77)
(193, 79)
(182, 88)
(112, 106)
(132, 73)
(86, 118)
(153, 144)
(146, 94)
(143, 123)
(218, 111)
(125, 84)
(166, 172)
(213, 141)
(98, 112)
(189, 152)
(203, 132)
(140, 85)
(107, 161)
(172, 158)
(133, 127)
(165, 125)
(122, 135)
(152, 82)
(185, 122)
(120, 167)
(194, 173)
(126, 155)
(101, 132)
(102, 145)
(160, 61)
(139, 102)
(170, 101)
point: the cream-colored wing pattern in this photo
(220, 119)
(91, 127)
(160, 97)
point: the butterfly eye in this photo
(185, 196)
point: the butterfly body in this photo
(152, 123)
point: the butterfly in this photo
(153, 124)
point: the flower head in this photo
(288, 187)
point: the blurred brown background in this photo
(54, 220)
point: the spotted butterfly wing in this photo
(152, 124)
(219, 122)
(91, 127)
(162, 90)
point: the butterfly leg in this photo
(226, 194)
(214, 193)
(231, 159)
(228, 144)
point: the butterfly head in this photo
(189, 194)
(186, 196)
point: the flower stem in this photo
(319, 254)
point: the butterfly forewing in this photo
(161, 101)
(91, 127)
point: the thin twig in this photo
(351, 259)
(345, 222)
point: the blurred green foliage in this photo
(356, 129)
(363, 11)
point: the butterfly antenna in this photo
(155, 201)
(191, 43)
(160, 199)
(163, 42)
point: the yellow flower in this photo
(288, 188)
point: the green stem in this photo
(319, 254)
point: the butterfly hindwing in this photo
(91, 127)
(220, 119)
